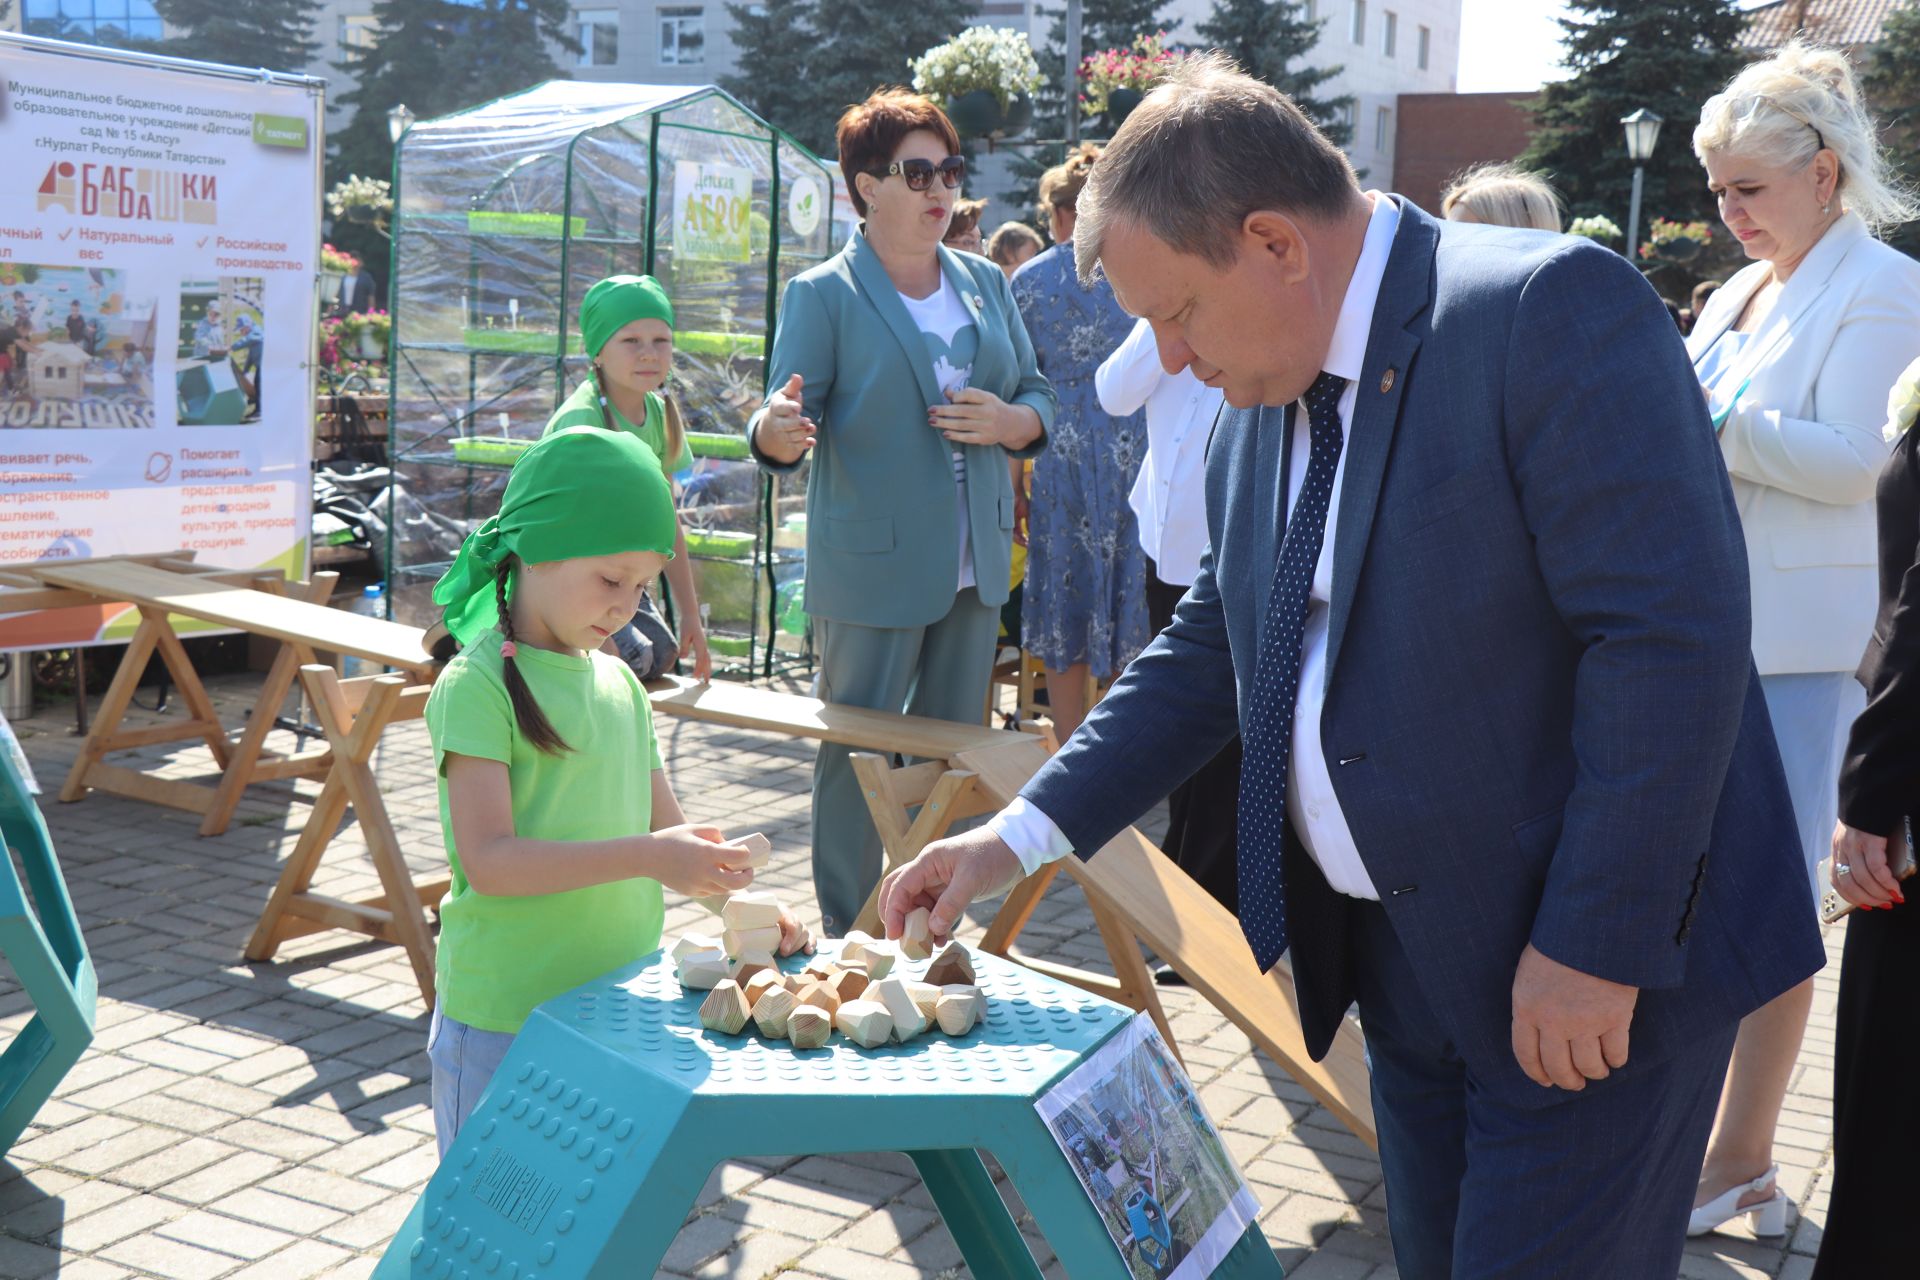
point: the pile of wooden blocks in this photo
(858, 995)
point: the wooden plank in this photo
(1203, 941)
(194, 797)
(307, 764)
(743, 707)
(258, 612)
(155, 734)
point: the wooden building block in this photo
(772, 1011)
(972, 993)
(916, 937)
(741, 943)
(762, 982)
(953, 967)
(808, 1027)
(758, 848)
(865, 1022)
(823, 969)
(690, 942)
(849, 984)
(744, 971)
(704, 970)
(892, 993)
(747, 911)
(956, 1014)
(725, 1009)
(753, 961)
(925, 997)
(820, 996)
(878, 959)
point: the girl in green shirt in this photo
(561, 826)
(626, 325)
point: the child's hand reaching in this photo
(793, 935)
(694, 860)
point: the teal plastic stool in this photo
(587, 1151)
(48, 956)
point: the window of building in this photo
(1426, 46)
(683, 35)
(1390, 36)
(598, 31)
(91, 21)
(1359, 21)
(357, 31)
(1383, 128)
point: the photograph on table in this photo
(1132, 1126)
(221, 341)
(76, 349)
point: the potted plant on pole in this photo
(984, 79)
(335, 266)
(1114, 81)
(1671, 241)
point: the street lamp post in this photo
(1643, 130)
(400, 119)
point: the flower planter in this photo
(1120, 105)
(1679, 250)
(330, 282)
(976, 114)
(1018, 116)
(368, 346)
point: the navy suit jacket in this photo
(1542, 715)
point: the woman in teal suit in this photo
(904, 366)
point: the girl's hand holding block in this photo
(694, 860)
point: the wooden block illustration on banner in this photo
(808, 1027)
(865, 1022)
(772, 1011)
(725, 1009)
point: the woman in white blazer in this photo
(1796, 354)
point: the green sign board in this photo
(279, 131)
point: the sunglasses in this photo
(919, 173)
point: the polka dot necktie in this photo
(1267, 735)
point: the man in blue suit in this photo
(1476, 600)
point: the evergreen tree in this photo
(1270, 39)
(439, 56)
(275, 34)
(853, 53)
(1104, 24)
(1892, 84)
(765, 37)
(1668, 56)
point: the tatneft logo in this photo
(124, 191)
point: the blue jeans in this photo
(464, 1059)
(1597, 1184)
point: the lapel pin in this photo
(1386, 382)
(978, 302)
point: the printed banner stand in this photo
(159, 231)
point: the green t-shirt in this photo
(582, 409)
(501, 956)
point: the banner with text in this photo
(158, 236)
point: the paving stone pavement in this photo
(271, 1122)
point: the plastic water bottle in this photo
(373, 604)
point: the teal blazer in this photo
(882, 530)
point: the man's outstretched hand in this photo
(946, 878)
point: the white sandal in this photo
(1768, 1218)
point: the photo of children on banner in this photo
(1149, 1158)
(221, 341)
(65, 333)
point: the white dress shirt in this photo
(1169, 494)
(1312, 806)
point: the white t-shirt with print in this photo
(952, 343)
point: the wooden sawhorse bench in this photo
(256, 603)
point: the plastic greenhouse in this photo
(504, 215)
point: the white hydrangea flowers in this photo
(997, 59)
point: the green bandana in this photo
(579, 492)
(616, 302)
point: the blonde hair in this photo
(1785, 108)
(1502, 195)
(1010, 237)
(1060, 186)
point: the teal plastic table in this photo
(40, 938)
(589, 1148)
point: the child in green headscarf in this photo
(560, 823)
(626, 325)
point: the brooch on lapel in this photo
(977, 301)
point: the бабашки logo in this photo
(130, 192)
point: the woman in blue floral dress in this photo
(1084, 609)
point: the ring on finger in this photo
(1843, 869)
